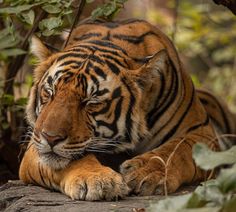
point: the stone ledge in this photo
(16, 196)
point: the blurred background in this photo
(204, 34)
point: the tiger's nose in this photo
(52, 139)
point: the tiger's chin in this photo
(54, 160)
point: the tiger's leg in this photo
(169, 165)
(84, 179)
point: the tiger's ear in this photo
(39, 49)
(157, 63)
(153, 69)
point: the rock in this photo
(16, 196)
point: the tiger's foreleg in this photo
(84, 179)
(163, 169)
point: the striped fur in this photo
(118, 88)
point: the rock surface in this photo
(16, 196)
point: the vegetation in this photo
(216, 195)
(203, 34)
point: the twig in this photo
(16, 64)
(175, 20)
(76, 20)
(167, 163)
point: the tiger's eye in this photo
(45, 95)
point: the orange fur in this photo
(117, 88)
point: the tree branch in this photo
(76, 20)
(231, 4)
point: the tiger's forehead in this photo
(88, 75)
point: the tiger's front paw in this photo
(104, 184)
(149, 178)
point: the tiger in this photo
(115, 113)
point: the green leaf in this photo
(18, 9)
(170, 204)
(107, 10)
(28, 17)
(4, 33)
(12, 52)
(89, 1)
(209, 191)
(208, 159)
(227, 179)
(7, 100)
(196, 201)
(229, 206)
(98, 12)
(22, 101)
(50, 23)
(53, 9)
(8, 42)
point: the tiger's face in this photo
(83, 106)
(87, 99)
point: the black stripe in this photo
(49, 81)
(83, 80)
(70, 62)
(99, 72)
(222, 113)
(44, 76)
(114, 59)
(150, 115)
(101, 92)
(68, 77)
(96, 59)
(108, 44)
(96, 48)
(31, 178)
(95, 80)
(133, 39)
(128, 120)
(178, 123)
(113, 67)
(113, 125)
(108, 36)
(131, 21)
(206, 122)
(72, 54)
(40, 175)
(104, 109)
(166, 102)
(59, 72)
(116, 94)
(87, 36)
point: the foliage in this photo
(206, 35)
(25, 11)
(108, 10)
(9, 104)
(213, 195)
(9, 39)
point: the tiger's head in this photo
(87, 99)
